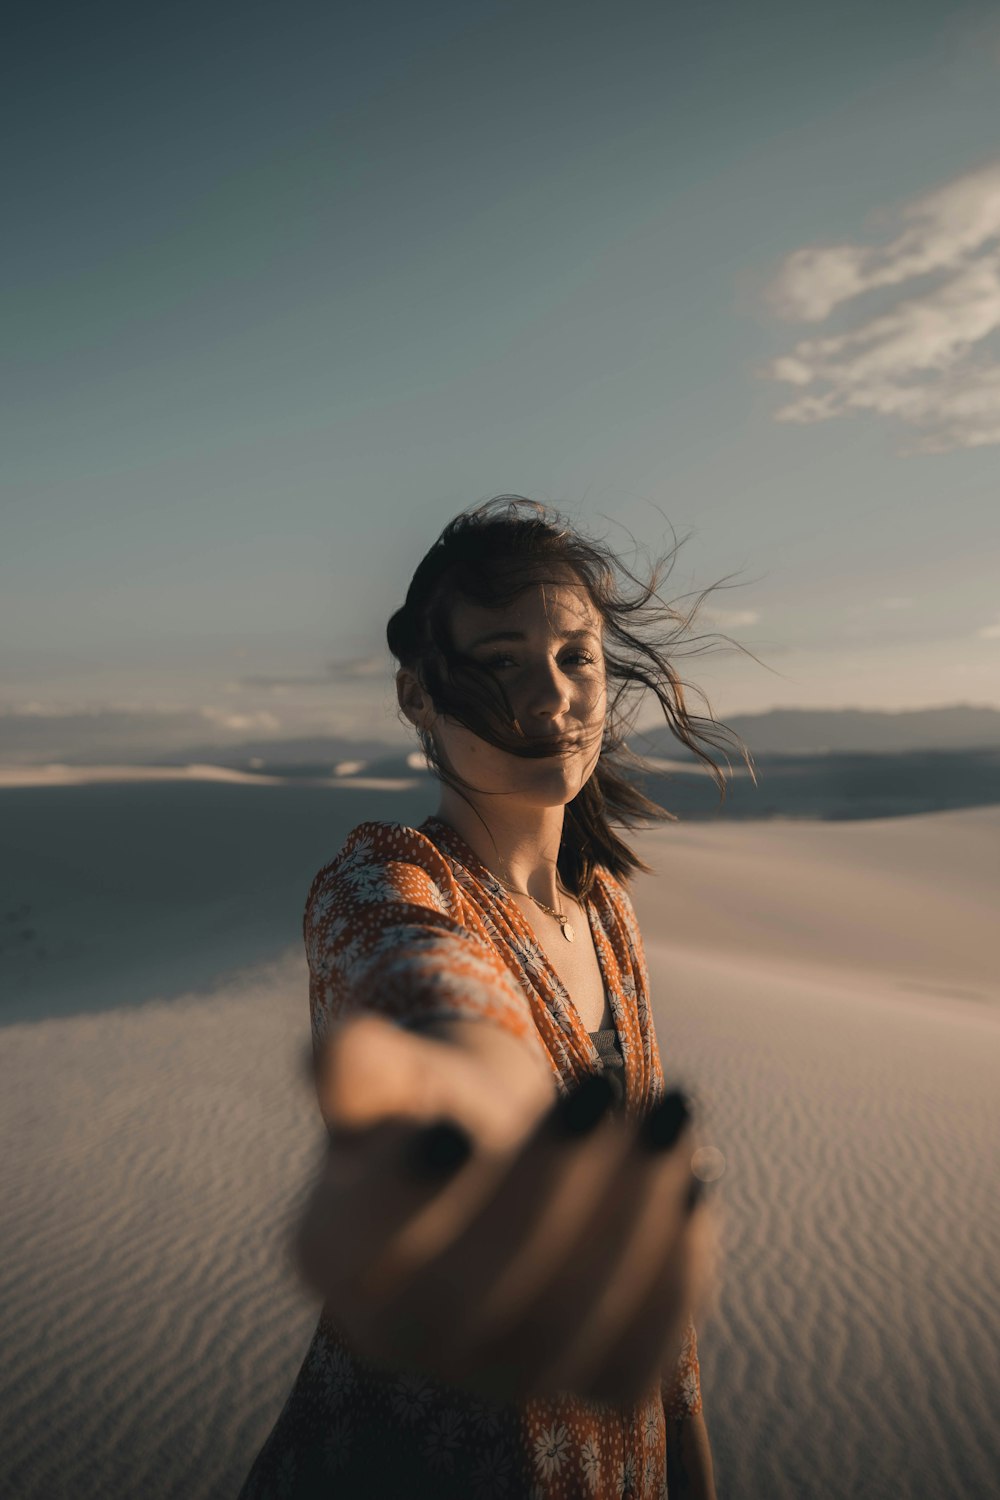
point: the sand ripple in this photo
(151, 1321)
(855, 1347)
(152, 1325)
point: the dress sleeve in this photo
(681, 1391)
(384, 932)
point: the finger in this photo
(602, 1275)
(368, 1069)
(366, 1192)
(650, 1342)
(521, 1217)
(519, 1268)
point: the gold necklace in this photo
(565, 925)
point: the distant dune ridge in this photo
(829, 992)
(32, 735)
(808, 764)
(811, 731)
(35, 735)
(842, 785)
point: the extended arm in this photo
(416, 1018)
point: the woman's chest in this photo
(576, 964)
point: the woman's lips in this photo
(562, 745)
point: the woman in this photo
(506, 1232)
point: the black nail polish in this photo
(661, 1128)
(438, 1150)
(582, 1109)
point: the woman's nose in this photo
(547, 692)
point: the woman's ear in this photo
(412, 699)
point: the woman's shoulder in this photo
(379, 842)
(618, 903)
(395, 854)
(615, 890)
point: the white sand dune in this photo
(911, 900)
(855, 1349)
(58, 774)
(830, 993)
(114, 892)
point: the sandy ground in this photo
(829, 991)
(57, 774)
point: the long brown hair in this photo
(488, 555)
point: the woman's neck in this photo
(524, 846)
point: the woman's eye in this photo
(582, 657)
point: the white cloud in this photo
(34, 710)
(946, 228)
(346, 669)
(260, 722)
(729, 619)
(917, 361)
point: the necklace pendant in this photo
(568, 933)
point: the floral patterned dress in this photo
(410, 922)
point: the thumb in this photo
(369, 1070)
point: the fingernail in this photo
(438, 1150)
(661, 1128)
(578, 1112)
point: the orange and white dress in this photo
(409, 922)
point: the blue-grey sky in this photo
(284, 288)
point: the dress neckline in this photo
(468, 857)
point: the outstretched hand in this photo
(465, 1227)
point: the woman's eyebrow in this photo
(519, 635)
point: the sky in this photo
(286, 288)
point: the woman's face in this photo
(546, 649)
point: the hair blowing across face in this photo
(488, 555)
